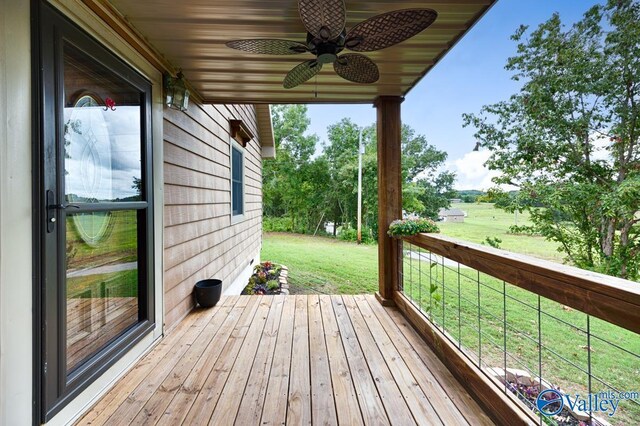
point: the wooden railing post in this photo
(389, 193)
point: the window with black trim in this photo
(237, 181)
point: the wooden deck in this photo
(289, 360)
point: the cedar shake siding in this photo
(200, 240)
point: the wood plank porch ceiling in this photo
(191, 34)
(290, 360)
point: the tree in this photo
(137, 185)
(426, 188)
(293, 181)
(569, 140)
(341, 154)
(306, 189)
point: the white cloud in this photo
(471, 172)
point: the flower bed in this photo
(267, 278)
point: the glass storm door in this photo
(97, 282)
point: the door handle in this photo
(64, 206)
(51, 211)
(52, 207)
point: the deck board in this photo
(255, 392)
(179, 406)
(207, 399)
(391, 388)
(450, 388)
(229, 400)
(344, 394)
(289, 360)
(275, 408)
(438, 400)
(418, 403)
(163, 396)
(299, 402)
(323, 409)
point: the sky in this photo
(471, 75)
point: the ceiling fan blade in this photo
(301, 73)
(357, 68)
(324, 19)
(268, 46)
(388, 29)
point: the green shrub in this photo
(273, 285)
(407, 227)
(276, 224)
(283, 224)
(347, 233)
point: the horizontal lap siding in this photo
(199, 240)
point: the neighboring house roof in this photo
(451, 212)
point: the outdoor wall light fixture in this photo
(176, 92)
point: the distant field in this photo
(484, 220)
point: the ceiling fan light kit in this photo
(327, 37)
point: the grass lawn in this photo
(324, 265)
(484, 220)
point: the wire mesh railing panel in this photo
(517, 337)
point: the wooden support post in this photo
(389, 193)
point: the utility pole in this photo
(360, 152)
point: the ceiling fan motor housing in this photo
(326, 51)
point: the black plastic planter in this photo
(208, 292)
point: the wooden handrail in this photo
(609, 298)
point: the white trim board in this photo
(242, 279)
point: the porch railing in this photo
(531, 325)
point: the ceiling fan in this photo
(327, 37)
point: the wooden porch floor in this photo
(289, 360)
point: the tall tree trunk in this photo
(607, 240)
(624, 248)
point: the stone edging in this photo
(283, 279)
